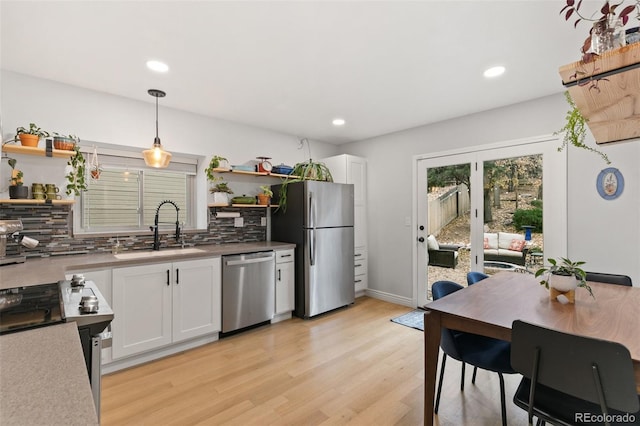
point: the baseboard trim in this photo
(391, 298)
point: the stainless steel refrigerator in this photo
(319, 220)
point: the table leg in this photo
(431, 350)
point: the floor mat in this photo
(413, 319)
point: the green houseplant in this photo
(17, 190)
(264, 197)
(575, 130)
(30, 136)
(215, 162)
(76, 173)
(308, 170)
(566, 268)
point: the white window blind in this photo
(124, 198)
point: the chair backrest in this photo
(609, 278)
(441, 289)
(475, 276)
(566, 363)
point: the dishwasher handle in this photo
(250, 260)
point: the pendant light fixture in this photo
(156, 156)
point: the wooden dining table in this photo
(490, 306)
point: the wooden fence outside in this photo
(447, 207)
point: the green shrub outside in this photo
(537, 204)
(530, 217)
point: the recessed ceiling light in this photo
(157, 66)
(338, 121)
(494, 71)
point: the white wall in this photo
(100, 117)
(603, 233)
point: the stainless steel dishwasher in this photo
(248, 289)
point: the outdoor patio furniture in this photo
(443, 255)
(505, 247)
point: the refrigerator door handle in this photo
(312, 247)
(312, 211)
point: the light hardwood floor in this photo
(351, 366)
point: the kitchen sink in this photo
(159, 253)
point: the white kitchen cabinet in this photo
(348, 168)
(159, 304)
(285, 281)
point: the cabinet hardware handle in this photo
(357, 264)
(168, 273)
(357, 254)
(358, 281)
(286, 255)
(177, 276)
(279, 276)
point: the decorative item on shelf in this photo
(264, 198)
(31, 136)
(562, 278)
(244, 199)
(75, 173)
(94, 165)
(221, 192)
(309, 170)
(156, 156)
(607, 30)
(264, 166)
(282, 169)
(575, 130)
(17, 190)
(64, 142)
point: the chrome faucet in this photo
(154, 228)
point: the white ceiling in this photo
(293, 66)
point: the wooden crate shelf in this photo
(607, 93)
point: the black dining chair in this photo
(609, 278)
(570, 379)
(475, 276)
(480, 351)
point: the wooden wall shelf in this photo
(607, 93)
(243, 172)
(41, 202)
(27, 150)
(260, 206)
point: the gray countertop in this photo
(53, 268)
(43, 378)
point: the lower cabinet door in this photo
(285, 279)
(142, 307)
(196, 298)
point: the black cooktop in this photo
(22, 308)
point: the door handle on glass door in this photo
(421, 239)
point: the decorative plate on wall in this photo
(610, 183)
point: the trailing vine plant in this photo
(575, 130)
(76, 168)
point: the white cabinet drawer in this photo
(360, 282)
(283, 256)
(359, 252)
(360, 266)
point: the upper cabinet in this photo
(607, 93)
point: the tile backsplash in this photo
(52, 227)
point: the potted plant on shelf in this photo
(31, 136)
(563, 277)
(220, 191)
(64, 142)
(264, 198)
(17, 190)
(216, 161)
(76, 173)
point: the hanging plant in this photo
(575, 130)
(76, 173)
